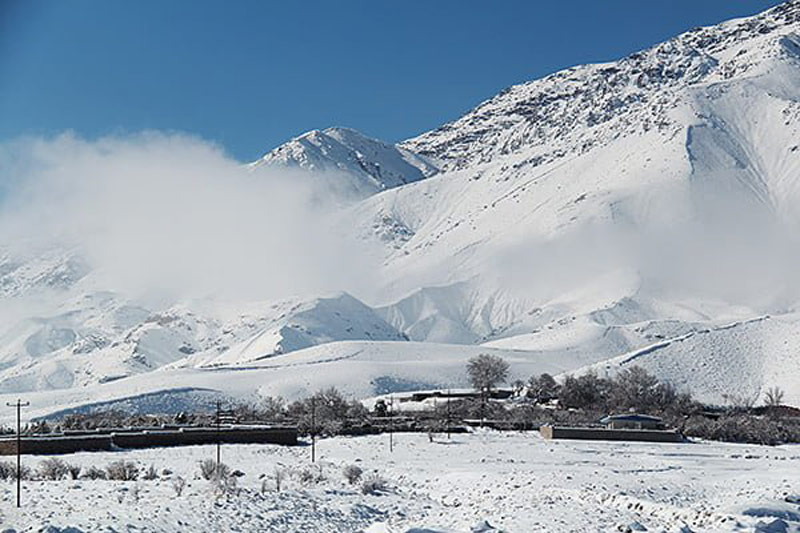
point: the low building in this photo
(632, 421)
(588, 433)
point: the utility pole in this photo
(448, 414)
(19, 405)
(313, 429)
(391, 423)
(219, 434)
(229, 417)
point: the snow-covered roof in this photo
(631, 417)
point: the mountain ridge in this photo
(367, 165)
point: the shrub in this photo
(210, 470)
(178, 484)
(53, 469)
(92, 472)
(7, 470)
(773, 397)
(310, 476)
(352, 473)
(25, 473)
(74, 471)
(122, 471)
(224, 484)
(332, 413)
(737, 427)
(374, 484)
(150, 474)
(268, 409)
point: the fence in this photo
(108, 440)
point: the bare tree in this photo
(583, 392)
(774, 396)
(543, 388)
(741, 402)
(486, 371)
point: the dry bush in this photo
(209, 469)
(224, 485)
(122, 471)
(333, 414)
(743, 428)
(150, 474)
(774, 396)
(25, 473)
(352, 473)
(374, 484)
(178, 485)
(310, 475)
(74, 471)
(7, 470)
(92, 472)
(53, 469)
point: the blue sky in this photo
(251, 74)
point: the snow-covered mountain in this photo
(364, 165)
(641, 210)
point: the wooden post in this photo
(19, 405)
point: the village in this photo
(308, 442)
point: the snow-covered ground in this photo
(515, 482)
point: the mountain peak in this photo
(588, 106)
(368, 165)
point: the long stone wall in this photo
(107, 441)
(555, 432)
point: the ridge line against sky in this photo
(251, 75)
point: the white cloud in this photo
(170, 213)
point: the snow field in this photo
(512, 481)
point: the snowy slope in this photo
(724, 364)
(603, 200)
(592, 213)
(364, 165)
(361, 369)
(590, 105)
(66, 340)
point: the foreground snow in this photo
(512, 481)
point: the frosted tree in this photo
(486, 371)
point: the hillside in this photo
(607, 213)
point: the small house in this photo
(632, 421)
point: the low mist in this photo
(169, 214)
(691, 244)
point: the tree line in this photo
(541, 399)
